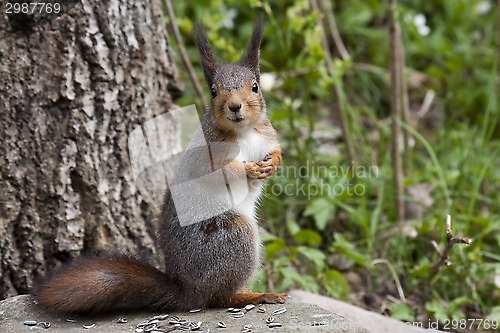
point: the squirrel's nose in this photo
(235, 108)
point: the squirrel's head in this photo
(237, 101)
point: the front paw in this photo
(273, 298)
(259, 170)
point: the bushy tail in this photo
(99, 284)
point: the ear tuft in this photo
(208, 61)
(252, 57)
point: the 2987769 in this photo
(33, 8)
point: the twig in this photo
(334, 31)
(450, 241)
(399, 287)
(426, 105)
(184, 56)
(336, 91)
(405, 103)
(396, 86)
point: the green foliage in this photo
(326, 216)
(403, 312)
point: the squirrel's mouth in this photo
(237, 119)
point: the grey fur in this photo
(208, 61)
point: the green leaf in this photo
(275, 247)
(308, 237)
(437, 310)
(343, 246)
(290, 276)
(292, 226)
(314, 255)
(322, 210)
(422, 269)
(402, 312)
(494, 314)
(336, 284)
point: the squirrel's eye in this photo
(255, 87)
(214, 92)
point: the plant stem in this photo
(396, 86)
(184, 56)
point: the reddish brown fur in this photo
(251, 106)
(98, 277)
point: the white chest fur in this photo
(253, 148)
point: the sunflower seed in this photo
(229, 309)
(69, 320)
(279, 311)
(161, 317)
(87, 327)
(196, 326)
(247, 327)
(273, 325)
(261, 310)
(150, 327)
(185, 327)
(235, 310)
(269, 320)
(142, 323)
(45, 324)
(195, 310)
(139, 330)
(122, 321)
(221, 324)
(175, 318)
(249, 307)
(237, 314)
(30, 322)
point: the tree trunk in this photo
(71, 90)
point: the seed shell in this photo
(249, 307)
(279, 311)
(45, 324)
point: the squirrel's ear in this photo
(252, 58)
(208, 61)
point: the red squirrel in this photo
(208, 263)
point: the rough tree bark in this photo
(71, 90)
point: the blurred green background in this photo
(331, 227)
